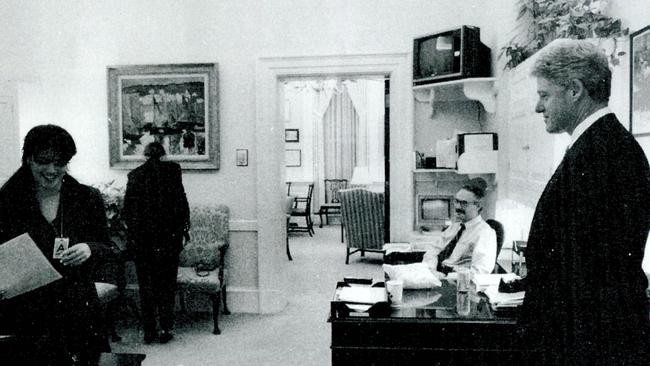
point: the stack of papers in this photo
(501, 300)
(489, 285)
(362, 295)
(483, 281)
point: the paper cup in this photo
(395, 289)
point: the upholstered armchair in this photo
(201, 265)
(362, 215)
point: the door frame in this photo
(269, 154)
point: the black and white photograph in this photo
(325, 183)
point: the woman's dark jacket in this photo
(67, 309)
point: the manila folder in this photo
(23, 267)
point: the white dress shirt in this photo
(476, 249)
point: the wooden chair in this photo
(332, 205)
(201, 265)
(362, 215)
(302, 208)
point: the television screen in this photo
(436, 56)
(448, 55)
(435, 209)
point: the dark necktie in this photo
(446, 252)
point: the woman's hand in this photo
(75, 255)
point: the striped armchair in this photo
(201, 265)
(362, 215)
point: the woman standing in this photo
(41, 199)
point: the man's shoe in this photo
(166, 336)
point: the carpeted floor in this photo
(299, 335)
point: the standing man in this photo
(470, 242)
(585, 298)
(157, 216)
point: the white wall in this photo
(57, 53)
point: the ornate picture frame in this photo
(640, 82)
(174, 104)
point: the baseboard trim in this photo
(243, 225)
(252, 300)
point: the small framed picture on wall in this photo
(291, 135)
(292, 157)
(241, 156)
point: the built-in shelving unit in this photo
(478, 89)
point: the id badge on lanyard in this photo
(60, 245)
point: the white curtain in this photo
(340, 136)
(323, 91)
(368, 98)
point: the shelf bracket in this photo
(427, 96)
(482, 92)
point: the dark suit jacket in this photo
(585, 297)
(155, 208)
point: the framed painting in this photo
(291, 135)
(292, 157)
(640, 82)
(176, 105)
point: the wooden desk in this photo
(426, 327)
(25, 350)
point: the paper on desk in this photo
(482, 281)
(502, 299)
(23, 267)
(362, 295)
(397, 247)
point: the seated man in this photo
(469, 242)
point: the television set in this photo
(433, 212)
(450, 55)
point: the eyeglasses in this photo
(464, 204)
(58, 162)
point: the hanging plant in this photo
(546, 20)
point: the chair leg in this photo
(288, 251)
(309, 229)
(216, 298)
(320, 214)
(226, 311)
(341, 232)
(347, 255)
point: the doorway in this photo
(269, 153)
(335, 130)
